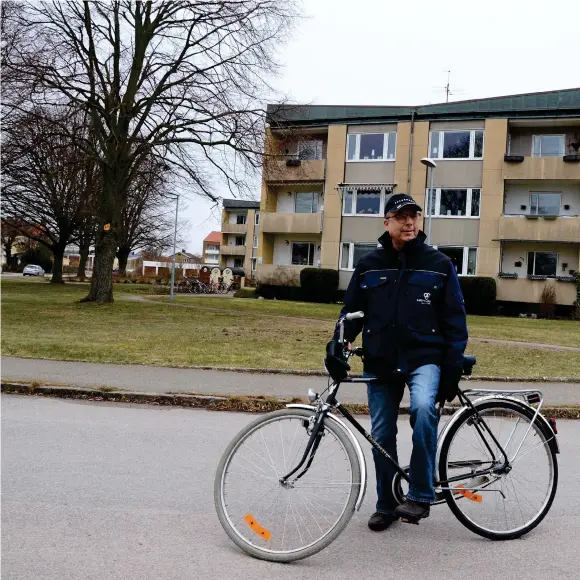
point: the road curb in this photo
(232, 403)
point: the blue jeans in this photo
(384, 400)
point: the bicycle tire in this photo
(453, 501)
(348, 511)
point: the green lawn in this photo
(44, 321)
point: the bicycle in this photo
(289, 504)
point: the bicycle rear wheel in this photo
(499, 506)
(278, 522)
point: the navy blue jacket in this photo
(414, 309)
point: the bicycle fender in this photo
(355, 442)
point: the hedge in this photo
(272, 291)
(479, 294)
(319, 284)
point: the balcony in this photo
(228, 228)
(291, 223)
(524, 290)
(294, 170)
(233, 250)
(541, 168)
(538, 229)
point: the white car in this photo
(32, 270)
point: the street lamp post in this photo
(174, 245)
(428, 162)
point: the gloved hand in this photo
(448, 384)
(336, 362)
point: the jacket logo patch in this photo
(426, 300)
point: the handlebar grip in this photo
(355, 315)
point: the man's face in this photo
(403, 225)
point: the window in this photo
(363, 202)
(446, 202)
(548, 145)
(240, 240)
(456, 144)
(463, 258)
(255, 241)
(351, 253)
(544, 203)
(306, 202)
(310, 149)
(371, 147)
(257, 218)
(238, 262)
(302, 253)
(542, 263)
(253, 262)
(241, 218)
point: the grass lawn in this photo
(44, 321)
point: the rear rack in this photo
(528, 396)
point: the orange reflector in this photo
(469, 494)
(258, 529)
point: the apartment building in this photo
(211, 249)
(240, 235)
(505, 201)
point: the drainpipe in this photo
(410, 163)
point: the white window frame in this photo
(471, 145)
(467, 203)
(534, 137)
(354, 190)
(255, 242)
(257, 218)
(316, 142)
(465, 257)
(386, 151)
(244, 215)
(351, 245)
(558, 193)
(534, 267)
(313, 244)
(317, 193)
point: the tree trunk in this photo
(58, 254)
(84, 248)
(8, 253)
(101, 290)
(123, 257)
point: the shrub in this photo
(479, 294)
(245, 293)
(548, 301)
(319, 284)
(272, 291)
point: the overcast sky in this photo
(380, 52)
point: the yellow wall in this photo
(332, 200)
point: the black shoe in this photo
(379, 522)
(412, 511)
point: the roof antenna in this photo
(447, 87)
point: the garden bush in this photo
(479, 293)
(319, 284)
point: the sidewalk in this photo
(153, 379)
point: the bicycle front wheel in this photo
(504, 504)
(285, 522)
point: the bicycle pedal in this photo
(410, 521)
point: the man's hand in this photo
(448, 384)
(336, 361)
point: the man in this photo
(414, 332)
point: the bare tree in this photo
(179, 80)
(46, 179)
(10, 233)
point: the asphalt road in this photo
(95, 491)
(154, 379)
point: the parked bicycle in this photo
(289, 482)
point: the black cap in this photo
(399, 201)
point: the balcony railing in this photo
(524, 167)
(294, 170)
(233, 250)
(552, 229)
(291, 223)
(228, 228)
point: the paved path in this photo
(164, 380)
(102, 491)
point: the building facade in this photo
(240, 235)
(211, 249)
(505, 201)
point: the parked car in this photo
(32, 270)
